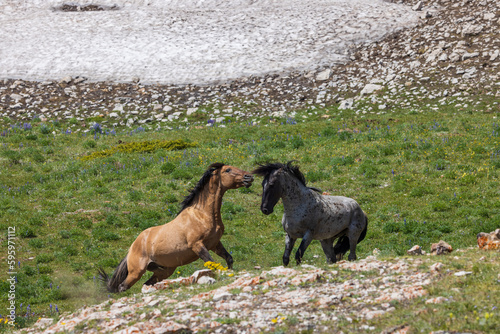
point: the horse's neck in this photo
(294, 194)
(210, 201)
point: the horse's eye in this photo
(228, 170)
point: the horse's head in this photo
(232, 177)
(271, 186)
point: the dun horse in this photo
(310, 215)
(197, 229)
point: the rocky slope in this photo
(451, 54)
(302, 298)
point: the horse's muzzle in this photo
(266, 211)
(247, 180)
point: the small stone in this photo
(167, 108)
(489, 16)
(370, 88)
(373, 314)
(165, 328)
(221, 296)
(462, 273)
(113, 114)
(418, 6)
(79, 80)
(153, 303)
(436, 267)
(346, 104)
(191, 111)
(117, 305)
(323, 75)
(118, 107)
(468, 55)
(472, 30)
(66, 80)
(206, 280)
(44, 322)
(415, 250)
(437, 300)
(494, 55)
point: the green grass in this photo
(420, 177)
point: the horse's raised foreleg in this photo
(328, 249)
(306, 240)
(202, 252)
(289, 242)
(223, 253)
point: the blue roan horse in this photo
(310, 215)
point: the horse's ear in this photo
(216, 166)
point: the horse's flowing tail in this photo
(363, 233)
(118, 277)
(342, 245)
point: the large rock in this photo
(201, 273)
(415, 250)
(489, 240)
(441, 248)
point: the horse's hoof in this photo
(298, 258)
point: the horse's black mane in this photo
(188, 200)
(266, 169)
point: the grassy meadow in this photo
(78, 200)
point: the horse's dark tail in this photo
(118, 277)
(363, 233)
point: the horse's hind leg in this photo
(160, 274)
(306, 240)
(358, 224)
(136, 268)
(289, 242)
(223, 253)
(328, 249)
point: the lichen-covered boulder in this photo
(489, 240)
